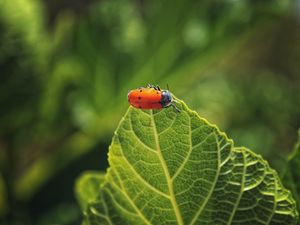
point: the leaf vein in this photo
(105, 208)
(130, 200)
(275, 204)
(97, 213)
(189, 153)
(213, 186)
(169, 126)
(118, 205)
(139, 140)
(167, 174)
(241, 191)
(141, 178)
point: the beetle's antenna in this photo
(168, 87)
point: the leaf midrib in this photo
(167, 174)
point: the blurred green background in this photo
(66, 67)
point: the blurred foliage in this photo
(66, 67)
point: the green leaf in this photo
(87, 186)
(176, 168)
(291, 176)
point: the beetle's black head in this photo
(166, 98)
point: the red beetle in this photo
(151, 97)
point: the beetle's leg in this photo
(158, 88)
(154, 87)
(151, 86)
(175, 107)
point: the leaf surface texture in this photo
(176, 168)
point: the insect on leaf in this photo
(176, 168)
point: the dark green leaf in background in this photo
(176, 168)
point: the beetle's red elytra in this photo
(151, 97)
